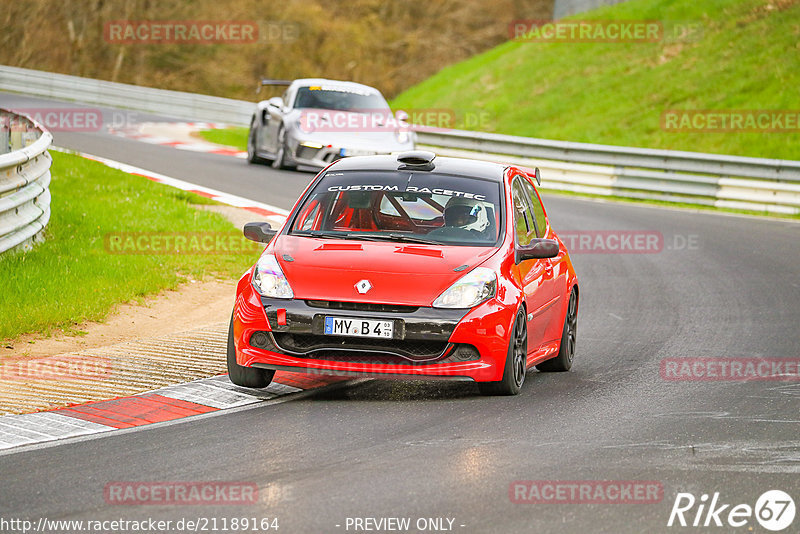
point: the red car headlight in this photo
(269, 280)
(478, 285)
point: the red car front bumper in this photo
(485, 327)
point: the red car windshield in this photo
(402, 206)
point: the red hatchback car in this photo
(409, 266)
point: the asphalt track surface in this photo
(427, 450)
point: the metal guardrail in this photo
(24, 181)
(188, 106)
(769, 185)
(758, 184)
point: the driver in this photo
(465, 213)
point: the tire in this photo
(280, 158)
(516, 361)
(252, 142)
(248, 377)
(566, 352)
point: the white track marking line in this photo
(220, 196)
(78, 439)
(179, 135)
(200, 392)
(275, 388)
(282, 389)
(215, 392)
(16, 430)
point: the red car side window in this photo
(538, 210)
(524, 221)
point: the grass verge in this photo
(744, 56)
(72, 277)
(234, 136)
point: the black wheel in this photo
(252, 142)
(516, 362)
(248, 377)
(281, 158)
(566, 353)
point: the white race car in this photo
(318, 121)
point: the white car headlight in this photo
(269, 280)
(476, 286)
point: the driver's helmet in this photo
(466, 213)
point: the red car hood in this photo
(399, 273)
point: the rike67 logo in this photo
(774, 510)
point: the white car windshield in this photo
(339, 98)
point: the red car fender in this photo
(247, 310)
(488, 325)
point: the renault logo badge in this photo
(363, 286)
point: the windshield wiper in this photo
(323, 233)
(332, 234)
(399, 237)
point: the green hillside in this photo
(746, 56)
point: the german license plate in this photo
(352, 326)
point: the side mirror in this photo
(260, 232)
(275, 102)
(537, 250)
(538, 176)
(401, 116)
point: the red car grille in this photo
(312, 346)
